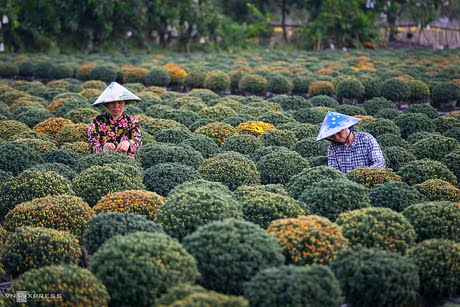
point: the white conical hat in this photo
(115, 92)
(335, 122)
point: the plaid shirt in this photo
(364, 152)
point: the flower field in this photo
(230, 201)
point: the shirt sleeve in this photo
(332, 159)
(94, 138)
(135, 138)
(375, 154)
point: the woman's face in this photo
(116, 108)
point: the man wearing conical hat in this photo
(349, 149)
(114, 130)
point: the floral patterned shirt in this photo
(105, 129)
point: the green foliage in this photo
(280, 166)
(279, 84)
(381, 126)
(293, 286)
(372, 87)
(185, 117)
(276, 118)
(240, 250)
(374, 105)
(107, 225)
(350, 88)
(388, 113)
(434, 147)
(156, 153)
(146, 263)
(284, 138)
(438, 261)
(217, 80)
(395, 90)
(419, 171)
(106, 72)
(195, 79)
(380, 228)
(444, 92)
(350, 110)
(323, 101)
(75, 286)
(397, 157)
(16, 157)
(291, 102)
(33, 116)
(419, 91)
(311, 116)
(245, 144)
(231, 168)
(387, 140)
(370, 177)
(413, 122)
(445, 123)
(452, 161)
(162, 178)
(395, 195)
(67, 157)
(371, 277)
(157, 77)
(33, 247)
(317, 88)
(434, 220)
(201, 143)
(173, 135)
(324, 200)
(309, 147)
(102, 158)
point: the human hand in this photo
(123, 146)
(109, 146)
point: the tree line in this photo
(92, 25)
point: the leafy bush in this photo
(72, 133)
(203, 144)
(243, 143)
(162, 178)
(217, 187)
(301, 131)
(434, 147)
(66, 157)
(16, 157)
(394, 195)
(146, 263)
(94, 182)
(69, 284)
(426, 109)
(217, 112)
(231, 168)
(395, 90)
(376, 104)
(323, 101)
(284, 138)
(195, 79)
(452, 161)
(388, 113)
(350, 89)
(397, 157)
(291, 102)
(410, 123)
(321, 88)
(419, 91)
(380, 228)
(370, 177)
(387, 140)
(217, 80)
(33, 247)
(60, 212)
(371, 277)
(309, 147)
(276, 118)
(82, 115)
(350, 110)
(156, 153)
(103, 158)
(32, 116)
(157, 77)
(438, 261)
(187, 210)
(444, 92)
(372, 87)
(253, 84)
(445, 123)
(107, 225)
(438, 190)
(381, 126)
(280, 166)
(240, 250)
(106, 72)
(324, 200)
(29, 185)
(217, 131)
(52, 126)
(208, 298)
(419, 171)
(313, 115)
(293, 286)
(173, 135)
(205, 94)
(8, 70)
(279, 84)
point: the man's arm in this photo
(375, 154)
(332, 159)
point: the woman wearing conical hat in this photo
(348, 149)
(114, 130)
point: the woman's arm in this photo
(95, 144)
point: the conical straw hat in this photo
(115, 92)
(335, 122)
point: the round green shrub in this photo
(162, 178)
(410, 123)
(276, 118)
(157, 77)
(240, 250)
(67, 157)
(145, 263)
(253, 84)
(350, 110)
(301, 83)
(245, 144)
(39, 145)
(434, 147)
(397, 157)
(268, 105)
(173, 135)
(301, 131)
(388, 113)
(374, 105)
(323, 101)
(156, 153)
(205, 94)
(395, 90)
(107, 225)
(284, 138)
(62, 169)
(262, 207)
(438, 190)
(201, 184)
(395, 195)
(11, 128)
(350, 89)
(302, 181)
(419, 171)
(210, 298)
(452, 161)
(280, 166)
(370, 177)
(419, 91)
(8, 70)
(293, 286)
(157, 110)
(372, 87)
(387, 140)
(370, 277)
(33, 116)
(279, 84)
(106, 72)
(424, 109)
(33, 247)
(61, 212)
(187, 210)
(380, 228)
(313, 115)
(102, 158)
(438, 261)
(65, 285)
(453, 133)
(444, 123)
(95, 182)
(246, 190)
(231, 168)
(434, 220)
(82, 115)
(317, 88)
(16, 157)
(263, 151)
(217, 80)
(381, 126)
(216, 113)
(29, 185)
(60, 71)
(204, 145)
(309, 147)
(195, 79)
(324, 200)
(185, 117)
(444, 92)
(291, 102)
(237, 119)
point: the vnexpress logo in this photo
(21, 296)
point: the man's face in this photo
(340, 136)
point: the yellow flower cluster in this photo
(176, 72)
(217, 131)
(255, 128)
(80, 147)
(86, 68)
(133, 73)
(439, 190)
(132, 201)
(97, 84)
(52, 126)
(320, 88)
(364, 63)
(365, 119)
(90, 93)
(324, 71)
(9, 129)
(72, 133)
(57, 84)
(56, 104)
(371, 177)
(158, 90)
(308, 239)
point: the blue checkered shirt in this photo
(364, 152)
